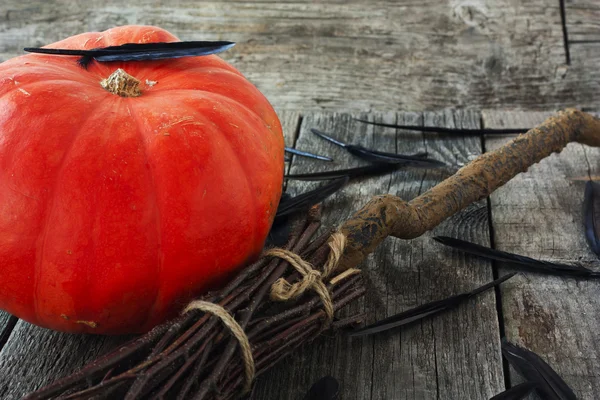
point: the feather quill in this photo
(351, 173)
(289, 205)
(374, 156)
(140, 51)
(308, 199)
(326, 388)
(517, 260)
(307, 154)
(468, 131)
(591, 215)
(531, 366)
(425, 310)
(516, 392)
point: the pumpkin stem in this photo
(122, 84)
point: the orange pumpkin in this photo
(116, 211)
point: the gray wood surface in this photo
(34, 357)
(539, 214)
(290, 122)
(356, 55)
(7, 322)
(583, 30)
(583, 20)
(455, 356)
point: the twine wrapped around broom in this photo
(192, 356)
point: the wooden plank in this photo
(34, 357)
(290, 123)
(7, 323)
(583, 20)
(538, 214)
(453, 356)
(358, 55)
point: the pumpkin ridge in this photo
(34, 62)
(30, 84)
(230, 101)
(208, 93)
(237, 158)
(197, 69)
(52, 204)
(241, 80)
(220, 68)
(201, 117)
(157, 214)
(235, 155)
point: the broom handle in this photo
(388, 215)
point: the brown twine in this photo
(282, 290)
(349, 272)
(236, 330)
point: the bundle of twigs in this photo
(196, 356)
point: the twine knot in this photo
(282, 290)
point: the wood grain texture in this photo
(290, 122)
(7, 323)
(453, 356)
(539, 214)
(34, 357)
(583, 29)
(357, 55)
(583, 20)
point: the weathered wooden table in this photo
(321, 65)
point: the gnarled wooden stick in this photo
(389, 215)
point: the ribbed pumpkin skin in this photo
(114, 212)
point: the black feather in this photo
(528, 364)
(483, 131)
(326, 388)
(306, 200)
(393, 158)
(57, 52)
(517, 392)
(84, 61)
(517, 260)
(425, 310)
(351, 173)
(140, 51)
(415, 161)
(591, 215)
(307, 154)
(281, 228)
